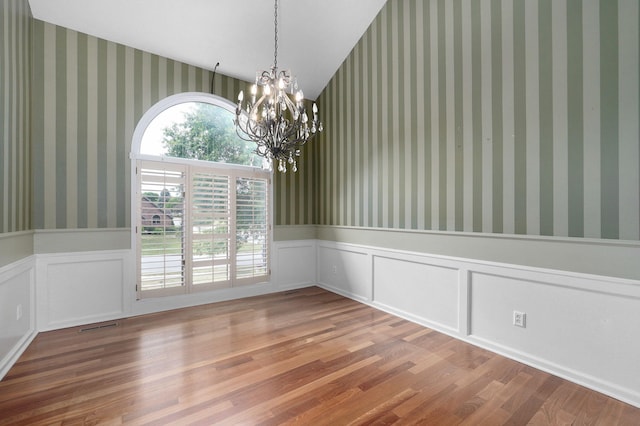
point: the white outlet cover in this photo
(519, 319)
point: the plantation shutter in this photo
(252, 229)
(211, 228)
(201, 227)
(161, 237)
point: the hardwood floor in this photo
(302, 357)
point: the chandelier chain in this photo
(275, 22)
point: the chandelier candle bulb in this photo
(240, 99)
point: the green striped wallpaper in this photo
(15, 171)
(496, 116)
(88, 96)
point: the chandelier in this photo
(277, 120)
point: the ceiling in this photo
(315, 36)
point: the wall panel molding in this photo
(82, 287)
(17, 311)
(293, 264)
(579, 326)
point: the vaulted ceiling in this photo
(315, 36)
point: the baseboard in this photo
(613, 390)
(12, 357)
(347, 294)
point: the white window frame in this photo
(231, 169)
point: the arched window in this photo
(208, 197)
(198, 130)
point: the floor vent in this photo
(98, 327)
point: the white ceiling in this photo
(315, 36)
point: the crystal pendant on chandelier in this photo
(276, 119)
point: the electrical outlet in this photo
(334, 269)
(519, 319)
(18, 312)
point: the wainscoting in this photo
(87, 287)
(17, 310)
(293, 264)
(580, 327)
(81, 288)
(51, 291)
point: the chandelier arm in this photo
(258, 133)
(242, 135)
(255, 133)
(291, 136)
(258, 103)
(245, 134)
(290, 104)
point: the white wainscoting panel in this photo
(433, 290)
(581, 327)
(294, 264)
(346, 270)
(81, 288)
(17, 311)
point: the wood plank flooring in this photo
(306, 357)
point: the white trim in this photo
(629, 396)
(113, 285)
(616, 319)
(7, 272)
(294, 264)
(12, 357)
